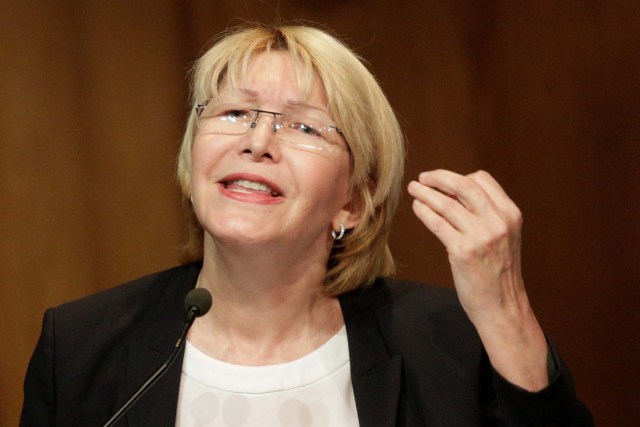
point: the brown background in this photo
(543, 94)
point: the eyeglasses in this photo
(297, 128)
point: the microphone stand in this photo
(191, 316)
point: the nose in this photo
(275, 126)
(261, 142)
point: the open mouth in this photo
(248, 186)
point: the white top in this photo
(314, 390)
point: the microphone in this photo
(197, 303)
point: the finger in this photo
(466, 190)
(506, 206)
(440, 227)
(445, 206)
(490, 186)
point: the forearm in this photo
(515, 344)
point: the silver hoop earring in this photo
(338, 236)
(191, 198)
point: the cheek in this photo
(204, 156)
(326, 181)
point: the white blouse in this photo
(314, 390)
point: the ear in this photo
(349, 216)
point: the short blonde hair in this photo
(356, 104)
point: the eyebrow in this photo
(252, 95)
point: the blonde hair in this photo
(356, 104)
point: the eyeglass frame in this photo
(275, 127)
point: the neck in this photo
(269, 305)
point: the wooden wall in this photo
(544, 95)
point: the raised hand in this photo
(480, 227)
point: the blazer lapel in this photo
(376, 376)
(157, 407)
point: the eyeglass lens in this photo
(294, 127)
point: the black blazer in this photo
(416, 360)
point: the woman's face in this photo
(253, 188)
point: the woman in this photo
(292, 162)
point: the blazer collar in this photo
(154, 343)
(375, 374)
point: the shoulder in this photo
(414, 317)
(414, 299)
(139, 292)
(115, 312)
(86, 345)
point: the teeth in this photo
(255, 186)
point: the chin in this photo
(241, 234)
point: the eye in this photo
(235, 115)
(305, 129)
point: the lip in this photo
(252, 197)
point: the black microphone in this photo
(197, 303)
